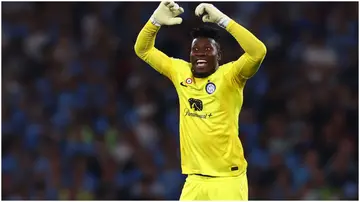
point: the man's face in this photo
(204, 57)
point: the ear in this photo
(219, 55)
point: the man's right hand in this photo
(166, 14)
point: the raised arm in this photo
(248, 64)
(144, 47)
(145, 50)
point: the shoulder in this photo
(179, 61)
(228, 71)
(181, 65)
(179, 68)
(225, 68)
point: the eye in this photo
(208, 49)
(195, 49)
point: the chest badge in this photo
(210, 87)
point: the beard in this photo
(203, 74)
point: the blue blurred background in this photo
(84, 118)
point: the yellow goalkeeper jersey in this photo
(209, 107)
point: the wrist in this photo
(224, 21)
(154, 21)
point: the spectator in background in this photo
(81, 122)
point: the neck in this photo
(204, 74)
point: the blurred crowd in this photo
(84, 118)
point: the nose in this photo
(199, 53)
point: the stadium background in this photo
(84, 118)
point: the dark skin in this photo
(204, 49)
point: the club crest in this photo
(210, 88)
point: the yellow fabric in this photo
(222, 188)
(248, 64)
(209, 107)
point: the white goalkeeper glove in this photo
(212, 14)
(166, 14)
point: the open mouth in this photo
(201, 63)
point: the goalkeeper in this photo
(210, 98)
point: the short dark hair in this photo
(206, 31)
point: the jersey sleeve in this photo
(145, 50)
(242, 69)
(248, 64)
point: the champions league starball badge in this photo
(210, 88)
